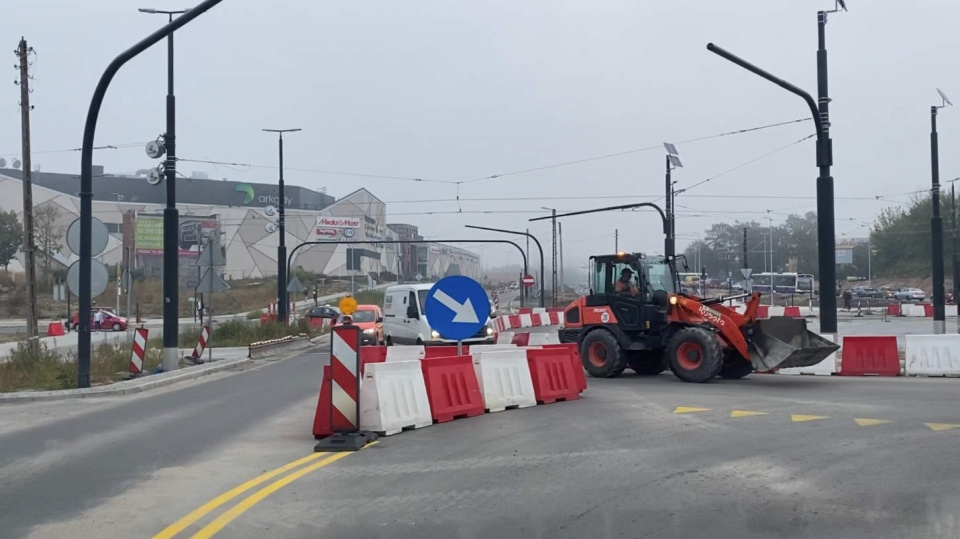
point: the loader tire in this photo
(736, 369)
(694, 355)
(646, 363)
(601, 355)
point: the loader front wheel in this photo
(694, 355)
(736, 369)
(601, 355)
(646, 363)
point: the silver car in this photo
(910, 294)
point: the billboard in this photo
(844, 255)
(192, 233)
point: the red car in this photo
(111, 321)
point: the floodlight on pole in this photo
(282, 300)
(673, 162)
(945, 99)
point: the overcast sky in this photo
(455, 90)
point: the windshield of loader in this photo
(659, 275)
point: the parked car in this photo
(910, 294)
(867, 292)
(111, 321)
(369, 318)
(887, 292)
(324, 311)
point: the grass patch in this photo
(369, 297)
(44, 369)
(241, 333)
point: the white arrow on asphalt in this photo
(463, 312)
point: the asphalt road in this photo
(767, 456)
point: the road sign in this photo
(98, 278)
(211, 255)
(98, 236)
(528, 280)
(457, 307)
(347, 305)
(418, 278)
(211, 282)
(746, 272)
(295, 285)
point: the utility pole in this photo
(524, 291)
(171, 216)
(955, 257)
(745, 265)
(29, 252)
(616, 240)
(936, 223)
(560, 234)
(554, 267)
(283, 303)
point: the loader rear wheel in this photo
(694, 355)
(601, 355)
(736, 369)
(646, 362)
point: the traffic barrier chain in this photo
(405, 388)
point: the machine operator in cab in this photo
(624, 285)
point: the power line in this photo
(105, 147)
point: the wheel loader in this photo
(646, 324)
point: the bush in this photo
(28, 368)
(254, 315)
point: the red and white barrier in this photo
(452, 388)
(870, 355)
(537, 318)
(201, 342)
(345, 381)
(139, 350)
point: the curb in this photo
(126, 387)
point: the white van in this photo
(405, 323)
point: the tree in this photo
(11, 237)
(901, 239)
(47, 234)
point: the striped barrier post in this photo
(139, 350)
(345, 392)
(201, 342)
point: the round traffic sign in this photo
(98, 236)
(98, 278)
(347, 305)
(528, 280)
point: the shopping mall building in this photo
(242, 216)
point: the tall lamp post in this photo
(171, 217)
(282, 303)
(936, 222)
(539, 248)
(955, 257)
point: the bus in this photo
(783, 283)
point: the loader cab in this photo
(654, 279)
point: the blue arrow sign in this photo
(457, 307)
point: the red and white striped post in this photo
(345, 377)
(139, 350)
(345, 392)
(202, 342)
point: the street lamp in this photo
(553, 266)
(539, 247)
(936, 223)
(673, 162)
(171, 218)
(281, 247)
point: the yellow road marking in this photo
(204, 509)
(745, 413)
(688, 409)
(941, 426)
(228, 516)
(871, 422)
(797, 418)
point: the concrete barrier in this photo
(272, 348)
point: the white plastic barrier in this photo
(950, 310)
(505, 337)
(910, 309)
(393, 397)
(775, 310)
(405, 353)
(543, 338)
(826, 367)
(504, 378)
(932, 355)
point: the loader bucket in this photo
(781, 342)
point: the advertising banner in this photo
(337, 222)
